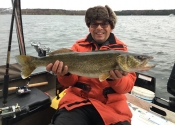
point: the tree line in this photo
(145, 12)
(51, 12)
(82, 12)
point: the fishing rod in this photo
(6, 76)
(24, 89)
(19, 28)
(16, 9)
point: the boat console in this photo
(168, 104)
(149, 82)
(171, 82)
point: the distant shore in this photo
(82, 12)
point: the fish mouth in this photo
(147, 67)
(142, 68)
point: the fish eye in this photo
(140, 57)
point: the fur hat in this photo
(100, 13)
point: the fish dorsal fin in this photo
(62, 50)
(103, 77)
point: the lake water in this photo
(151, 35)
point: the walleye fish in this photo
(95, 64)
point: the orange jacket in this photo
(112, 109)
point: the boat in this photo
(34, 100)
(171, 15)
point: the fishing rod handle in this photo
(30, 85)
(37, 84)
(12, 88)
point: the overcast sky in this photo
(84, 4)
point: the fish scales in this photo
(88, 63)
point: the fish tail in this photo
(27, 65)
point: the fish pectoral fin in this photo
(62, 50)
(103, 77)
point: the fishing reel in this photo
(25, 89)
(42, 51)
(10, 111)
(22, 90)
